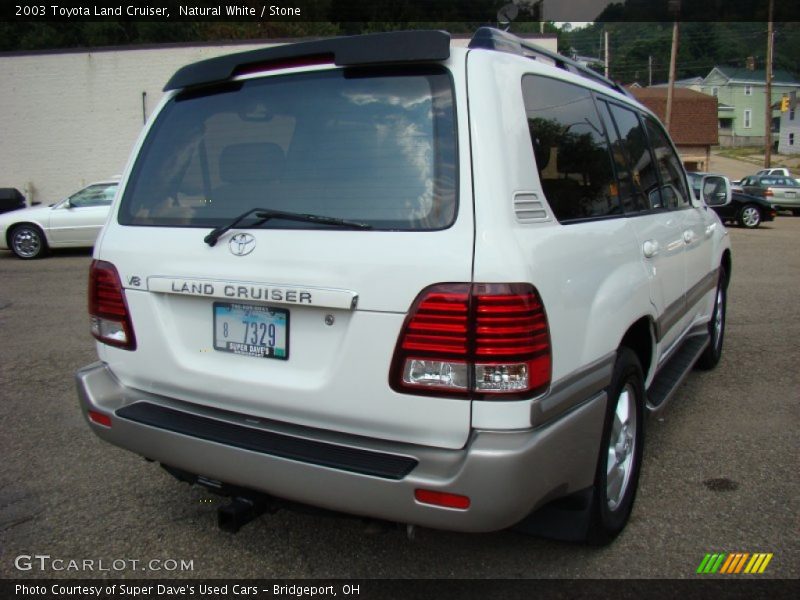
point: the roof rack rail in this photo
(490, 38)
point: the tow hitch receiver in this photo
(240, 511)
(244, 506)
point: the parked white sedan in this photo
(72, 223)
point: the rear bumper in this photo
(506, 475)
(782, 203)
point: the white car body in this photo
(653, 277)
(71, 223)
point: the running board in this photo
(672, 374)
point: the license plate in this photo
(251, 330)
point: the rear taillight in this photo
(108, 311)
(483, 340)
(769, 192)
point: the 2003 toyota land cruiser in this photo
(384, 276)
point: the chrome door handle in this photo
(650, 248)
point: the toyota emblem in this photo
(242, 244)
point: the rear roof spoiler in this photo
(360, 50)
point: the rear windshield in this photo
(377, 148)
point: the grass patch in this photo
(741, 153)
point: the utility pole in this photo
(650, 70)
(768, 111)
(605, 55)
(674, 7)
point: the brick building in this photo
(694, 121)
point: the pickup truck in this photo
(783, 171)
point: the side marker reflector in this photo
(442, 499)
(99, 418)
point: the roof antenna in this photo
(506, 14)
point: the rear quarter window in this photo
(570, 148)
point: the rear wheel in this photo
(716, 327)
(750, 216)
(620, 459)
(796, 212)
(27, 241)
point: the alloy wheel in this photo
(621, 445)
(750, 216)
(26, 242)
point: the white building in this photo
(72, 117)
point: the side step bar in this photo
(676, 369)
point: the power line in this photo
(628, 46)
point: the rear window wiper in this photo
(263, 215)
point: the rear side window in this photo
(374, 147)
(674, 192)
(570, 149)
(638, 178)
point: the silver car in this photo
(782, 191)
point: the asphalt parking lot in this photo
(720, 471)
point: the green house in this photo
(741, 102)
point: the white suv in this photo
(380, 275)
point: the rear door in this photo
(659, 229)
(695, 224)
(285, 319)
(751, 186)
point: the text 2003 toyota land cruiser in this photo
(388, 277)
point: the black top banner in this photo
(388, 12)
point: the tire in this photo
(716, 327)
(750, 216)
(28, 242)
(620, 459)
(796, 212)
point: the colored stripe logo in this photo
(734, 563)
